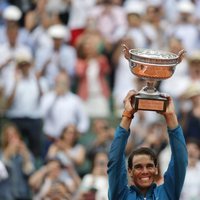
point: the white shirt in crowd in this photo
(191, 186)
(59, 111)
(64, 59)
(27, 96)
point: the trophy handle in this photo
(126, 52)
(180, 55)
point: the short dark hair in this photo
(142, 151)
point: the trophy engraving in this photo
(153, 66)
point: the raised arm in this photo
(175, 174)
(117, 173)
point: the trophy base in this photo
(150, 103)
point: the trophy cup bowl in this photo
(153, 66)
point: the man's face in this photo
(143, 172)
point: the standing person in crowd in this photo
(12, 16)
(67, 147)
(92, 69)
(142, 162)
(59, 57)
(60, 108)
(186, 25)
(23, 91)
(19, 164)
(10, 44)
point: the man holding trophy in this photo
(142, 162)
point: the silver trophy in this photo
(153, 66)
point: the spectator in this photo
(11, 16)
(155, 25)
(191, 187)
(135, 11)
(60, 108)
(194, 64)
(186, 26)
(97, 180)
(180, 75)
(43, 180)
(92, 69)
(19, 164)
(33, 16)
(60, 57)
(57, 191)
(190, 115)
(103, 136)
(79, 12)
(23, 91)
(9, 48)
(107, 14)
(67, 147)
(41, 21)
(122, 72)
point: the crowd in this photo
(63, 78)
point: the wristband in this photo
(127, 114)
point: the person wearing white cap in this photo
(22, 91)
(135, 11)
(11, 15)
(60, 57)
(189, 115)
(9, 48)
(186, 26)
(155, 24)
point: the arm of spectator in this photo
(78, 160)
(39, 85)
(36, 179)
(73, 173)
(5, 63)
(53, 149)
(42, 71)
(28, 165)
(11, 97)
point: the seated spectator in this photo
(44, 179)
(19, 164)
(103, 136)
(67, 147)
(95, 184)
